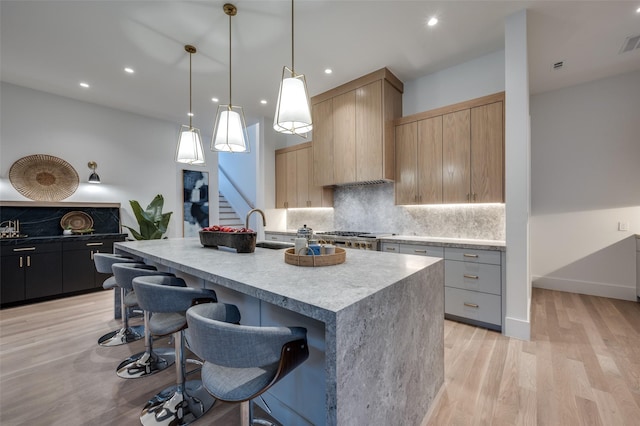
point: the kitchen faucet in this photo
(264, 221)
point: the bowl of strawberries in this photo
(243, 240)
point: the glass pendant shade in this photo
(190, 149)
(230, 131)
(293, 114)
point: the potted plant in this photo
(152, 222)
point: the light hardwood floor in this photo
(581, 367)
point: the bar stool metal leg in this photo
(148, 362)
(182, 403)
(126, 334)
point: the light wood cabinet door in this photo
(406, 185)
(323, 143)
(456, 147)
(302, 157)
(281, 181)
(429, 160)
(487, 153)
(344, 137)
(368, 132)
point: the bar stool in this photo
(125, 334)
(168, 299)
(242, 362)
(149, 361)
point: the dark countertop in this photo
(58, 239)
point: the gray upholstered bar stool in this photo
(242, 362)
(168, 299)
(126, 333)
(149, 361)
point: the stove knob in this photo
(347, 244)
(356, 245)
(369, 246)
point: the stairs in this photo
(228, 217)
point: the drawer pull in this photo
(390, 248)
(420, 251)
(274, 238)
(94, 244)
(473, 277)
(470, 255)
(471, 305)
(24, 249)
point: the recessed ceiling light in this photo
(190, 114)
(638, 10)
(129, 70)
(263, 101)
(328, 71)
(216, 100)
(83, 84)
(432, 21)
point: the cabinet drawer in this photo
(96, 245)
(279, 237)
(473, 255)
(31, 249)
(473, 305)
(390, 248)
(422, 250)
(473, 276)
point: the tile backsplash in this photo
(371, 208)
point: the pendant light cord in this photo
(190, 110)
(293, 67)
(230, 103)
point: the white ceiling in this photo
(53, 45)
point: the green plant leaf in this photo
(153, 223)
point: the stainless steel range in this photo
(350, 239)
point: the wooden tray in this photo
(310, 260)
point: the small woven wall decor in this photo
(42, 177)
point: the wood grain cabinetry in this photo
(294, 179)
(353, 131)
(453, 154)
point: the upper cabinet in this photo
(353, 130)
(294, 179)
(453, 154)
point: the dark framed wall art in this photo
(196, 202)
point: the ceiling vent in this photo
(557, 65)
(631, 43)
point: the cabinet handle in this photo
(468, 197)
(390, 248)
(28, 260)
(25, 249)
(94, 244)
(474, 196)
(420, 251)
(475, 256)
(274, 238)
(21, 265)
(474, 277)
(471, 305)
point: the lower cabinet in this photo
(287, 238)
(473, 281)
(44, 270)
(78, 269)
(30, 271)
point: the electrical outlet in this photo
(623, 226)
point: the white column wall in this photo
(517, 180)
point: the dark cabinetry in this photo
(78, 270)
(31, 271)
(36, 270)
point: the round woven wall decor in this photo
(42, 177)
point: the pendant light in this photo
(190, 149)
(293, 113)
(230, 131)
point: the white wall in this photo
(135, 154)
(473, 79)
(586, 179)
(517, 178)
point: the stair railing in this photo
(238, 200)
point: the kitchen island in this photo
(375, 326)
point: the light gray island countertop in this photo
(375, 325)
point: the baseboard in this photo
(613, 291)
(517, 328)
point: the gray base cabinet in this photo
(473, 280)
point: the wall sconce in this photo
(93, 177)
